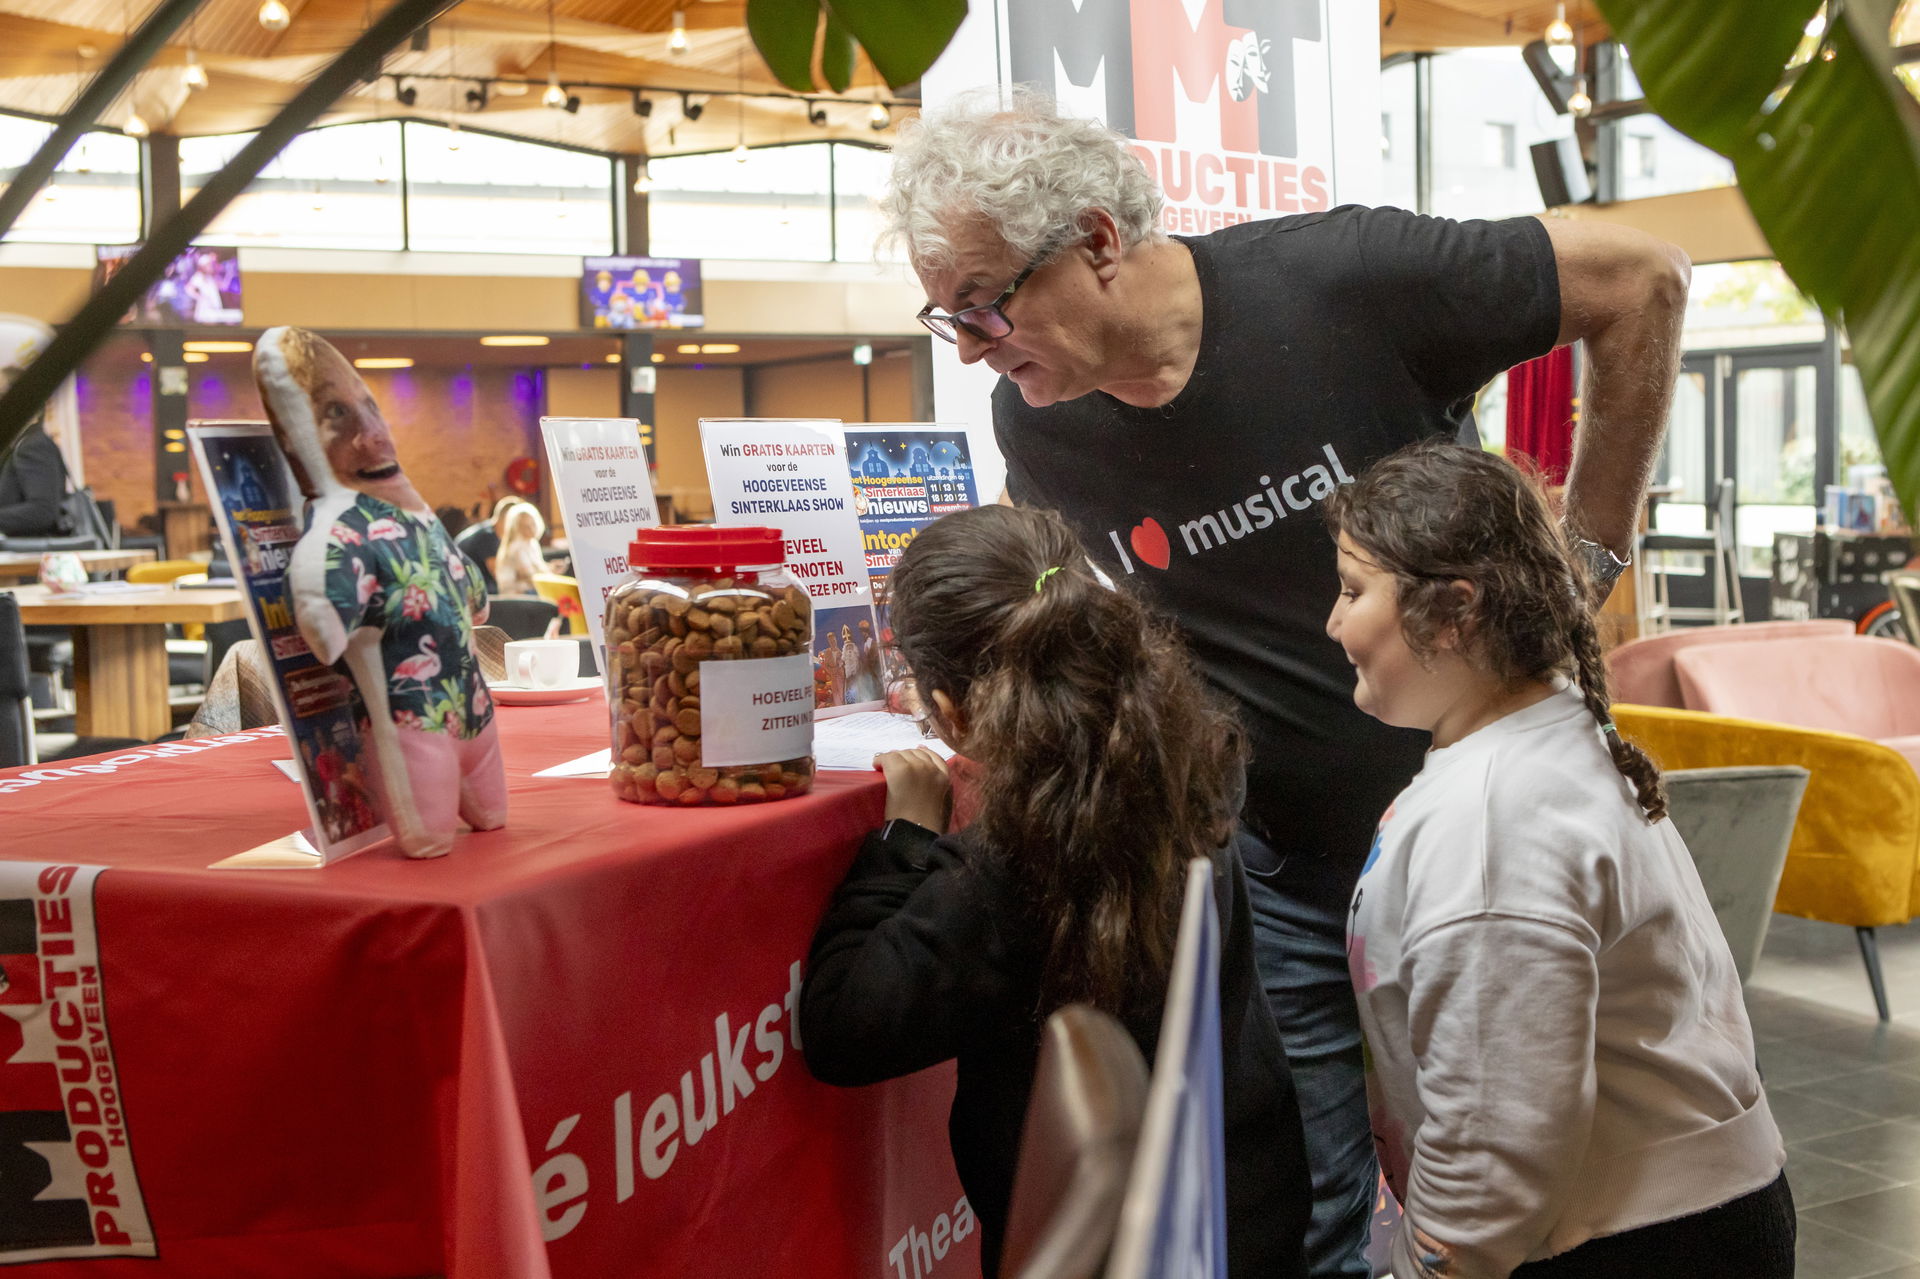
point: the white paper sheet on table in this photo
(597, 764)
(849, 742)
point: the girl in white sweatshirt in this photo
(1559, 1064)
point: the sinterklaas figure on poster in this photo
(376, 580)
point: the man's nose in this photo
(972, 349)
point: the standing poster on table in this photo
(600, 479)
(905, 476)
(791, 474)
(1173, 1221)
(261, 514)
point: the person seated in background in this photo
(33, 480)
(1101, 767)
(520, 559)
(481, 540)
(452, 519)
(1560, 1068)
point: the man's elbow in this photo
(1668, 275)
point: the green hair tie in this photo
(1041, 580)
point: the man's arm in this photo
(1624, 293)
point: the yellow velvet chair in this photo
(1855, 856)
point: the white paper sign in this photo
(600, 478)
(757, 711)
(791, 474)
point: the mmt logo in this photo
(1142, 52)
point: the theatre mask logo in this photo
(67, 1183)
(1261, 509)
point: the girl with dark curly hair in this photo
(1102, 767)
(1560, 1068)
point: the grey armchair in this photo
(1737, 823)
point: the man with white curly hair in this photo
(1186, 403)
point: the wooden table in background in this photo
(24, 566)
(120, 650)
(187, 527)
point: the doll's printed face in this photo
(358, 445)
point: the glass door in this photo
(1773, 421)
(1689, 457)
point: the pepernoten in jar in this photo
(710, 670)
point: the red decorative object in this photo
(523, 476)
(1540, 412)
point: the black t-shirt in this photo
(1328, 340)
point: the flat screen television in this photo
(201, 286)
(641, 293)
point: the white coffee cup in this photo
(542, 663)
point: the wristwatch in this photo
(1603, 567)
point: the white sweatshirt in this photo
(1557, 1048)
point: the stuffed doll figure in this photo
(377, 582)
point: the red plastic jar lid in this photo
(706, 546)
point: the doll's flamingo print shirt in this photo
(399, 573)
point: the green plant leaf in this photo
(1828, 160)
(783, 32)
(902, 37)
(836, 54)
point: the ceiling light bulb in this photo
(1580, 104)
(136, 125)
(1559, 33)
(195, 76)
(555, 96)
(274, 16)
(740, 152)
(643, 184)
(453, 135)
(677, 42)
(879, 117)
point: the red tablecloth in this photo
(580, 1025)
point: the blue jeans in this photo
(1301, 952)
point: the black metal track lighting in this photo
(406, 94)
(816, 114)
(573, 104)
(642, 104)
(477, 96)
(690, 109)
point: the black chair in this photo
(521, 616)
(16, 710)
(41, 545)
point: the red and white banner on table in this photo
(67, 1181)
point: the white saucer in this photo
(572, 690)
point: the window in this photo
(1499, 139)
(773, 205)
(1643, 156)
(859, 180)
(1396, 153)
(332, 188)
(471, 193)
(1476, 169)
(93, 196)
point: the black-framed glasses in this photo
(988, 323)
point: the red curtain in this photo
(1540, 412)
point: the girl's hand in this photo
(918, 789)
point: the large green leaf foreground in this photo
(1828, 157)
(902, 37)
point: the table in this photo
(395, 1068)
(120, 650)
(24, 566)
(188, 528)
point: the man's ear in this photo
(1103, 243)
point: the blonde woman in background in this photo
(520, 558)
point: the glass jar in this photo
(710, 670)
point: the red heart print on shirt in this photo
(1149, 542)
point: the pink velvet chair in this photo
(1852, 684)
(1640, 671)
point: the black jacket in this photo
(32, 483)
(921, 958)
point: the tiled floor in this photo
(1845, 1089)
